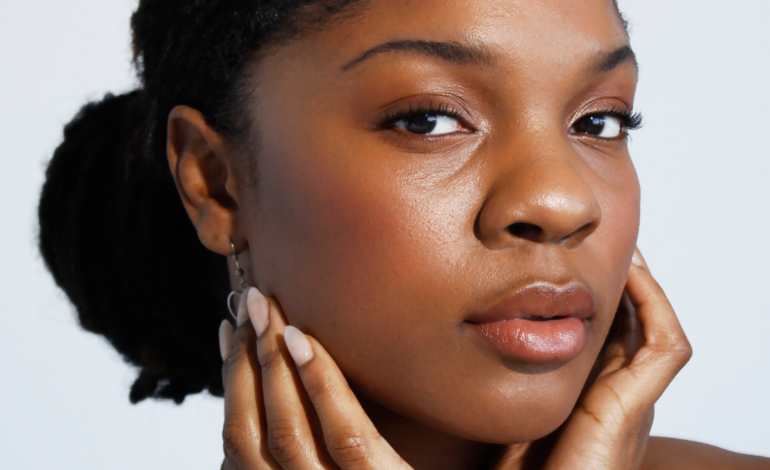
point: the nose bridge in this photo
(541, 195)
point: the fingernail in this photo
(298, 345)
(637, 260)
(225, 337)
(243, 313)
(258, 310)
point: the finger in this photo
(623, 342)
(638, 260)
(666, 348)
(634, 335)
(289, 436)
(241, 316)
(351, 438)
(226, 332)
(243, 429)
(242, 310)
(240, 319)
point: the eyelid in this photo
(431, 104)
(597, 110)
(602, 105)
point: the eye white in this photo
(612, 128)
(445, 125)
(441, 125)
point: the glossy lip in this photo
(515, 327)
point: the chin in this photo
(521, 412)
(526, 419)
(497, 405)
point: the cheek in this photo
(620, 226)
(369, 269)
(609, 249)
(341, 245)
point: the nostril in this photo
(526, 231)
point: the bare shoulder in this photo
(675, 454)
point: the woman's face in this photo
(424, 249)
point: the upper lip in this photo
(540, 299)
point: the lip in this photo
(516, 327)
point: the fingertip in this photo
(322, 355)
(252, 294)
(317, 348)
(243, 312)
(298, 345)
(638, 260)
(226, 333)
(258, 309)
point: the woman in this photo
(440, 193)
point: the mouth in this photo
(543, 318)
(539, 323)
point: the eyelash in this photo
(388, 119)
(631, 120)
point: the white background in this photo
(703, 159)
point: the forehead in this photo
(512, 30)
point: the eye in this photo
(428, 124)
(604, 126)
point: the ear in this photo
(201, 162)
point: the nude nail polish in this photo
(243, 314)
(259, 310)
(637, 260)
(225, 338)
(299, 347)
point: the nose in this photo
(544, 200)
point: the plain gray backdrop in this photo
(703, 160)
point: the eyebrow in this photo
(611, 60)
(452, 52)
(465, 54)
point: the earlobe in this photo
(201, 161)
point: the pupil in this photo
(591, 125)
(422, 124)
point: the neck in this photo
(425, 448)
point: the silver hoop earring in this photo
(244, 285)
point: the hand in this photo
(287, 405)
(610, 425)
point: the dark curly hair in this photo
(112, 230)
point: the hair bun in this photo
(79, 177)
(118, 242)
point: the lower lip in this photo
(546, 341)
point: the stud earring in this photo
(244, 285)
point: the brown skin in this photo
(380, 243)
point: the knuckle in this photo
(269, 356)
(320, 385)
(237, 353)
(681, 351)
(231, 360)
(674, 348)
(238, 437)
(283, 442)
(350, 448)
